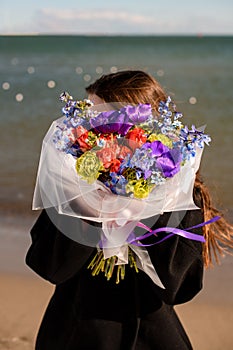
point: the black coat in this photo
(87, 312)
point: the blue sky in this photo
(116, 17)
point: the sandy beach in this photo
(24, 296)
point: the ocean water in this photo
(34, 70)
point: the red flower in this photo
(107, 137)
(136, 138)
(115, 165)
(80, 130)
(82, 138)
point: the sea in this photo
(197, 71)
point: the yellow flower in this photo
(88, 166)
(130, 186)
(140, 188)
(162, 138)
(129, 174)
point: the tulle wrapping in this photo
(58, 185)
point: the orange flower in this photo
(123, 152)
(136, 138)
(80, 130)
(106, 155)
(82, 138)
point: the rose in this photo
(88, 166)
(123, 151)
(80, 130)
(86, 139)
(106, 155)
(136, 138)
(82, 141)
(81, 137)
(115, 165)
(74, 133)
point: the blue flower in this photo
(117, 183)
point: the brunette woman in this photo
(87, 312)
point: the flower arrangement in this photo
(130, 150)
(118, 167)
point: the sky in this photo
(116, 17)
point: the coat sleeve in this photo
(52, 255)
(178, 261)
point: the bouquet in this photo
(130, 150)
(116, 167)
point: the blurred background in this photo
(49, 47)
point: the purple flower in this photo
(111, 122)
(138, 114)
(167, 160)
(157, 148)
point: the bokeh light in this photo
(51, 84)
(19, 97)
(6, 85)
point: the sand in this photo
(208, 318)
(23, 301)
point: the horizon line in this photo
(117, 34)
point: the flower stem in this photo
(99, 264)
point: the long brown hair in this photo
(134, 86)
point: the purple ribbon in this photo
(174, 231)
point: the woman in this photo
(87, 312)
